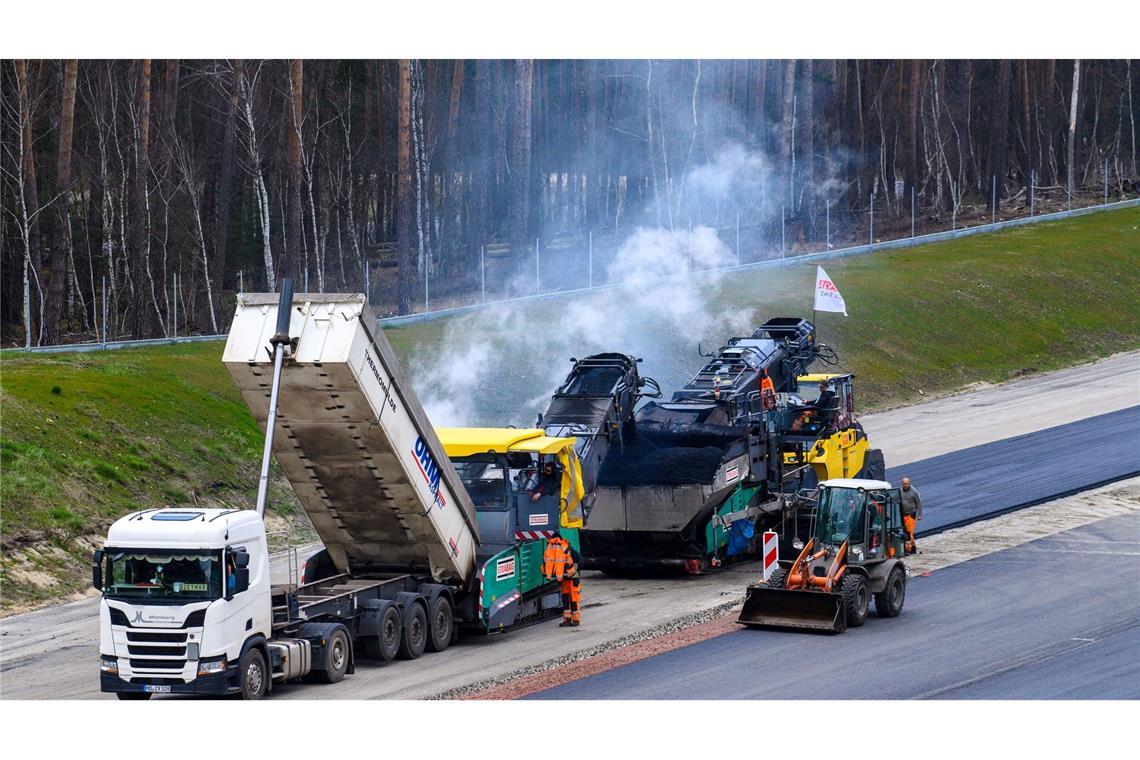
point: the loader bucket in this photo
(782, 608)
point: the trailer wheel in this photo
(441, 624)
(856, 599)
(889, 601)
(336, 654)
(253, 674)
(415, 636)
(383, 646)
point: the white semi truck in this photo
(188, 606)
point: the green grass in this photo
(88, 437)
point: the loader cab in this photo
(865, 513)
(806, 418)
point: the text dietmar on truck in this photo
(428, 469)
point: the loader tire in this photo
(856, 599)
(778, 578)
(889, 601)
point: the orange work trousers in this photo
(571, 593)
(909, 522)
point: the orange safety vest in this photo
(555, 558)
(767, 393)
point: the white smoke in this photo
(499, 366)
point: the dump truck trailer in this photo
(188, 606)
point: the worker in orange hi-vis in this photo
(767, 392)
(560, 563)
(911, 511)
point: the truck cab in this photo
(186, 594)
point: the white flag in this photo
(827, 297)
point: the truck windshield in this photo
(163, 575)
(841, 515)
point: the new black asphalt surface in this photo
(1013, 473)
(1056, 618)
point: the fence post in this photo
(872, 218)
(537, 269)
(306, 278)
(954, 212)
(241, 281)
(104, 311)
(427, 277)
(738, 235)
(1106, 181)
(783, 238)
(590, 261)
(993, 199)
(482, 274)
(367, 281)
(827, 236)
(912, 210)
(27, 307)
(176, 307)
(1032, 183)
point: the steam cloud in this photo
(499, 366)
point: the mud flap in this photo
(782, 608)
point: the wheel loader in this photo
(855, 552)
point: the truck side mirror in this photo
(97, 570)
(241, 580)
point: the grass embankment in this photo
(89, 437)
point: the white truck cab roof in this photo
(186, 528)
(866, 485)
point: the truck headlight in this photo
(212, 666)
(109, 665)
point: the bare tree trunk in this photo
(518, 209)
(405, 216)
(787, 129)
(248, 87)
(291, 263)
(999, 135)
(141, 229)
(1049, 159)
(226, 170)
(29, 203)
(809, 144)
(61, 251)
(1073, 102)
(911, 144)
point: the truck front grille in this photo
(167, 665)
(147, 637)
(158, 651)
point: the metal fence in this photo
(871, 246)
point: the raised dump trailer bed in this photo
(356, 446)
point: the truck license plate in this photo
(157, 689)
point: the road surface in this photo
(1056, 618)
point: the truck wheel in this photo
(441, 624)
(415, 636)
(132, 695)
(253, 674)
(889, 601)
(383, 646)
(856, 599)
(336, 653)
